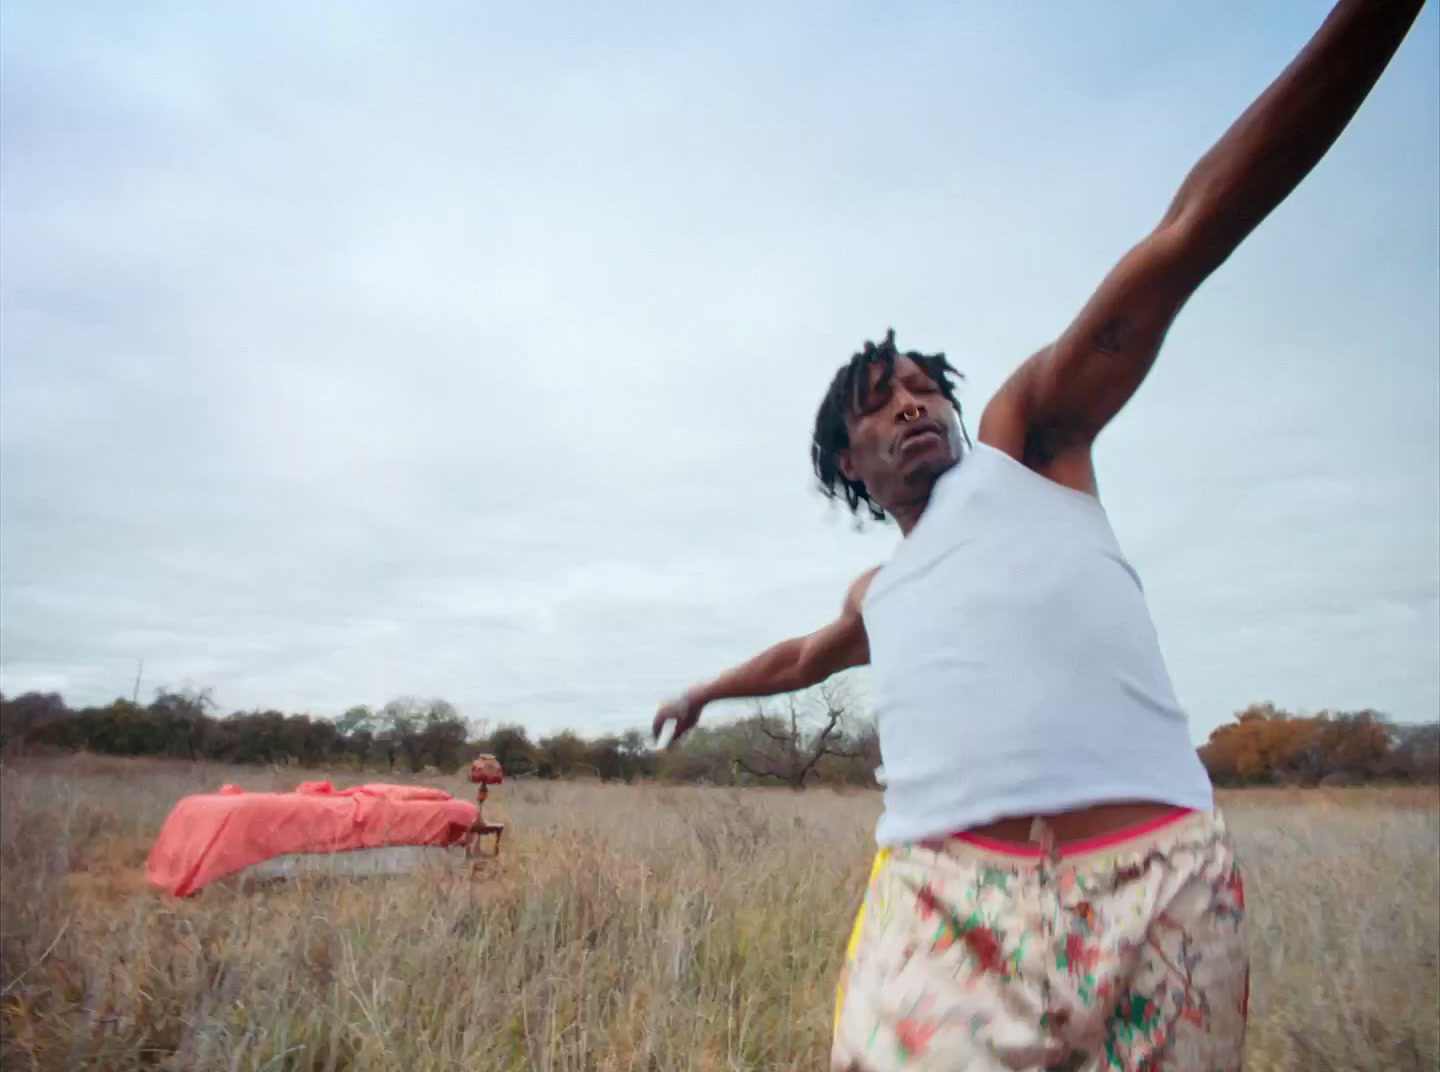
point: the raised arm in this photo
(1060, 399)
(788, 666)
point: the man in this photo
(1053, 886)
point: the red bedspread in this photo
(211, 835)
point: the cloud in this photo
(472, 351)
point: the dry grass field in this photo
(642, 929)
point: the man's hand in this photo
(680, 711)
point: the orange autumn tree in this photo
(1267, 744)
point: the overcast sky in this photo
(358, 350)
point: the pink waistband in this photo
(1104, 841)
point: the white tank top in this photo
(1015, 666)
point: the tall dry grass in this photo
(625, 928)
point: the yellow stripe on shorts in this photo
(851, 946)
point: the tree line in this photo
(803, 740)
(815, 737)
(1266, 745)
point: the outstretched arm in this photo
(788, 666)
(1062, 397)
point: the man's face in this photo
(904, 437)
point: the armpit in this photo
(1045, 441)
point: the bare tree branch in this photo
(759, 773)
(806, 727)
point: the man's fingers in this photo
(675, 735)
(682, 717)
(682, 727)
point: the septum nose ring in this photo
(910, 414)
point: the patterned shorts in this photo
(1122, 953)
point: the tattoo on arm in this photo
(1111, 338)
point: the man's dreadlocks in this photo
(851, 391)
